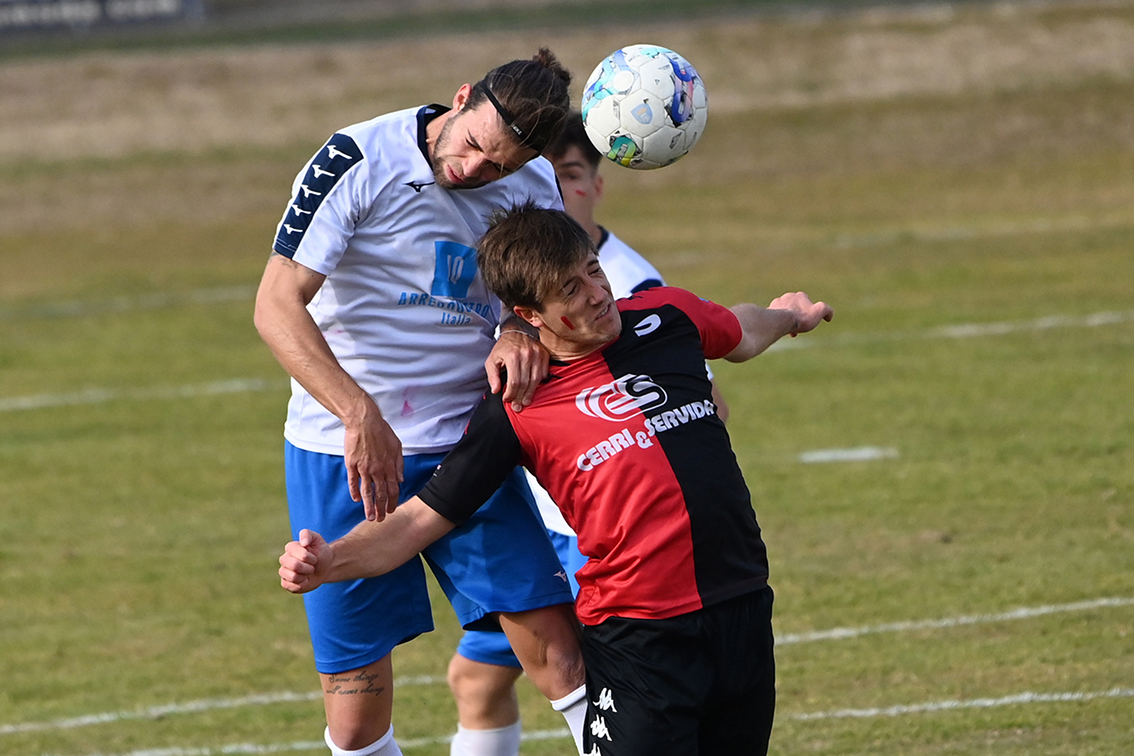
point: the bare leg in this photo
(359, 704)
(546, 641)
(485, 693)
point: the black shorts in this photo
(700, 684)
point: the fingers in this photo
(524, 361)
(492, 368)
(376, 481)
(524, 378)
(297, 563)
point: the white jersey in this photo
(403, 307)
(628, 272)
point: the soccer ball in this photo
(644, 106)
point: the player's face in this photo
(580, 182)
(475, 147)
(581, 316)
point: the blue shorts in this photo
(492, 648)
(499, 561)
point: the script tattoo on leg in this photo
(358, 684)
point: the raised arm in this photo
(372, 451)
(368, 550)
(789, 314)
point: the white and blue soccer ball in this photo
(644, 106)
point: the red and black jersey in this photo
(628, 443)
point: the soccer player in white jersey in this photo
(373, 304)
(484, 670)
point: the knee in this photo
(565, 663)
(558, 668)
(461, 677)
(485, 694)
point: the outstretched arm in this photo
(370, 549)
(789, 314)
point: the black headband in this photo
(503, 111)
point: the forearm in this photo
(376, 548)
(760, 327)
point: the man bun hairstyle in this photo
(527, 251)
(530, 95)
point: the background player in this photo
(372, 302)
(483, 672)
(674, 596)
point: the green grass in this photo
(139, 534)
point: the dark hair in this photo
(531, 96)
(574, 135)
(527, 251)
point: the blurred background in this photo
(944, 474)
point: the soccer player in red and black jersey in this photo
(674, 599)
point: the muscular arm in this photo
(372, 451)
(368, 550)
(790, 314)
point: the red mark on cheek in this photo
(580, 193)
(567, 323)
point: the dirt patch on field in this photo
(105, 139)
(111, 105)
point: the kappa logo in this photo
(622, 398)
(600, 730)
(605, 701)
(648, 325)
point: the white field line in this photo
(841, 633)
(238, 385)
(967, 330)
(191, 707)
(974, 703)
(317, 745)
(1018, 699)
(101, 396)
(855, 454)
(128, 304)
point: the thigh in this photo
(738, 719)
(501, 560)
(355, 623)
(646, 683)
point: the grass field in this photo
(957, 181)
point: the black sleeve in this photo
(477, 465)
(649, 283)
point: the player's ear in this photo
(598, 186)
(528, 315)
(461, 97)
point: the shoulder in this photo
(663, 296)
(386, 137)
(537, 178)
(627, 271)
